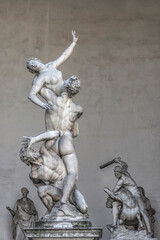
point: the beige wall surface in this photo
(117, 59)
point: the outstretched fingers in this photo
(26, 142)
(75, 38)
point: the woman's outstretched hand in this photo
(75, 39)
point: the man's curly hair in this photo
(28, 155)
(73, 86)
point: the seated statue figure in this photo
(48, 172)
(24, 215)
(127, 195)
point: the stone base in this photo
(63, 230)
(133, 238)
(121, 233)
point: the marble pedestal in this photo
(63, 230)
(121, 233)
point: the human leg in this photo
(79, 201)
(69, 157)
(49, 195)
(141, 225)
(115, 211)
(144, 214)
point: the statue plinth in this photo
(63, 230)
(121, 233)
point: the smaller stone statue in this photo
(24, 215)
(130, 207)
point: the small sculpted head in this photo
(118, 172)
(34, 65)
(24, 192)
(72, 86)
(29, 156)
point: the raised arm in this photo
(36, 88)
(67, 53)
(123, 164)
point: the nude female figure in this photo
(48, 76)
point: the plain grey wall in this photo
(117, 59)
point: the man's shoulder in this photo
(29, 200)
(19, 201)
(77, 108)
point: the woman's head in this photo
(34, 65)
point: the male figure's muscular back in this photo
(64, 113)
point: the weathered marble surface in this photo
(64, 224)
(57, 171)
(63, 229)
(24, 215)
(121, 233)
(64, 233)
(130, 206)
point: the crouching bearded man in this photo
(48, 171)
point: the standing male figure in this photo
(24, 215)
(63, 118)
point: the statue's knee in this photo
(72, 175)
(41, 191)
(115, 204)
(84, 209)
(31, 176)
(121, 221)
(34, 177)
(57, 195)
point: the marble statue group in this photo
(128, 202)
(54, 167)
